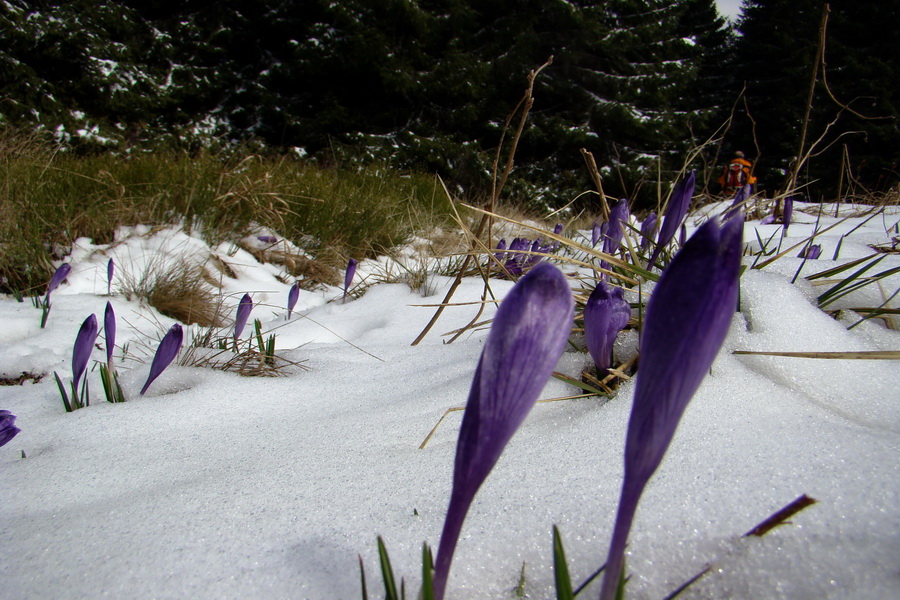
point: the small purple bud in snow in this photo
(812, 252)
(605, 315)
(596, 233)
(8, 429)
(767, 220)
(165, 354)
(675, 213)
(293, 296)
(348, 277)
(558, 229)
(109, 332)
(110, 270)
(788, 212)
(58, 277)
(267, 239)
(647, 229)
(84, 344)
(686, 321)
(525, 342)
(243, 313)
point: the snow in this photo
(214, 485)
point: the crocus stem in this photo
(449, 537)
(624, 519)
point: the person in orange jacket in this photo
(736, 174)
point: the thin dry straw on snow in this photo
(862, 355)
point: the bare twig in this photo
(781, 516)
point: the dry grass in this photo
(180, 291)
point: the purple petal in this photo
(767, 220)
(686, 321)
(647, 229)
(293, 296)
(109, 331)
(605, 315)
(62, 271)
(8, 429)
(812, 252)
(84, 344)
(675, 213)
(110, 270)
(165, 354)
(348, 277)
(267, 239)
(788, 212)
(243, 313)
(526, 340)
(596, 233)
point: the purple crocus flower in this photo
(109, 332)
(596, 233)
(293, 296)
(526, 340)
(165, 354)
(788, 212)
(243, 313)
(81, 352)
(767, 220)
(501, 247)
(348, 277)
(605, 315)
(62, 271)
(675, 213)
(267, 239)
(647, 229)
(686, 321)
(618, 214)
(8, 429)
(110, 270)
(812, 252)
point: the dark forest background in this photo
(427, 85)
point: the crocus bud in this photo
(788, 212)
(109, 332)
(165, 354)
(293, 296)
(526, 340)
(84, 344)
(648, 227)
(605, 315)
(675, 213)
(348, 277)
(811, 252)
(110, 270)
(685, 323)
(243, 313)
(267, 239)
(62, 271)
(596, 233)
(8, 429)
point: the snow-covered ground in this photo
(214, 485)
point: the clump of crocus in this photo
(240, 319)
(165, 354)
(62, 271)
(348, 276)
(675, 213)
(606, 313)
(81, 353)
(8, 429)
(685, 324)
(110, 271)
(812, 252)
(108, 374)
(293, 296)
(526, 340)
(523, 254)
